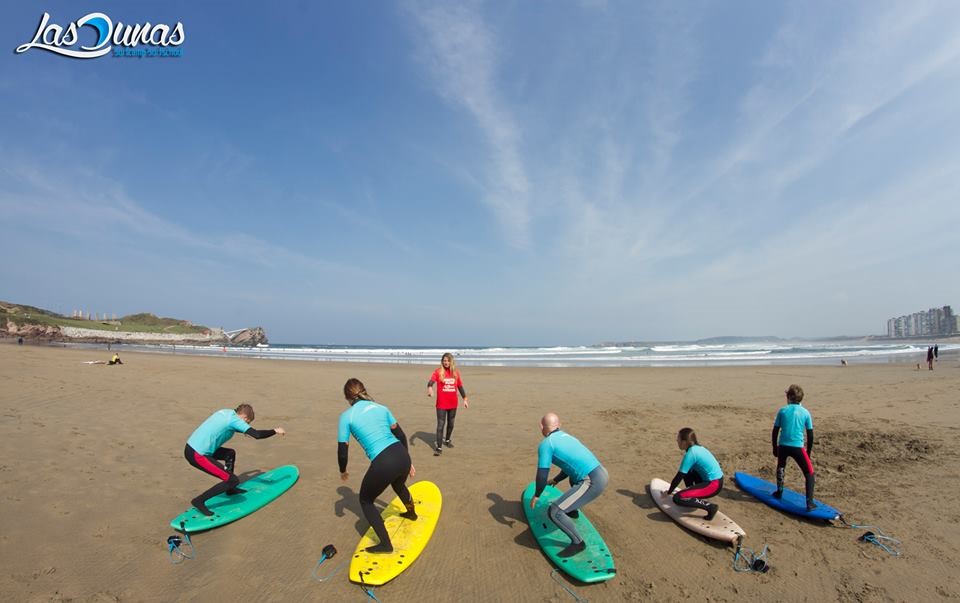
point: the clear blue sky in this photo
(503, 173)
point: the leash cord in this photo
(576, 598)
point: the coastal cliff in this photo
(41, 325)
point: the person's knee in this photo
(677, 500)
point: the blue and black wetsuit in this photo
(204, 451)
(385, 444)
(793, 422)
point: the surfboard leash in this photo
(176, 546)
(554, 575)
(874, 535)
(328, 552)
(747, 560)
(367, 590)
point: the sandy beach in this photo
(92, 471)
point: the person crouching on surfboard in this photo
(587, 476)
(700, 473)
(205, 451)
(789, 427)
(374, 426)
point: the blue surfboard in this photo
(791, 502)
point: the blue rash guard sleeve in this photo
(342, 456)
(260, 434)
(541, 481)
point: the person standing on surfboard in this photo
(447, 379)
(700, 473)
(205, 451)
(587, 476)
(792, 422)
(374, 426)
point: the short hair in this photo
(687, 434)
(795, 393)
(245, 409)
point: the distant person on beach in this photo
(447, 379)
(205, 451)
(700, 473)
(19, 340)
(115, 360)
(377, 431)
(792, 426)
(588, 479)
(936, 351)
(930, 358)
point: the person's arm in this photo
(463, 394)
(541, 482)
(259, 434)
(430, 385)
(342, 456)
(675, 482)
(559, 478)
(809, 442)
(774, 436)
(397, 432)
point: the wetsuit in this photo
(447, 388)
(204, 451)
(792, 422)
(702, 476)
(588, 478)
(385, 444)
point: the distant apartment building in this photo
(932, 323)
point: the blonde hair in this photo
(453, 365)
(354, 390)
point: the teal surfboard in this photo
(261, 490)
(595, 564)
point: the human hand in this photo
(533, 501)
(344, 476)
(465, 403)
(776, 451)
(280, 431)
(413, 471)
(429, 392)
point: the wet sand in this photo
(92, 470)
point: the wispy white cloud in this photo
(463, 56)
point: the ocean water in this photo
(655, 354)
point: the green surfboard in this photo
(595, 564)
(260, 491)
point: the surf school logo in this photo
(158, 38)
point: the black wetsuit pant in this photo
(798, 454)
(445, 416)
(390, 468)
(211, 464)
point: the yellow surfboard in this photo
(409, 538)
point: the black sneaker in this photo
(437, 451)
(448, 443)
(778, 494)
(810, 506)
(712, 510)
